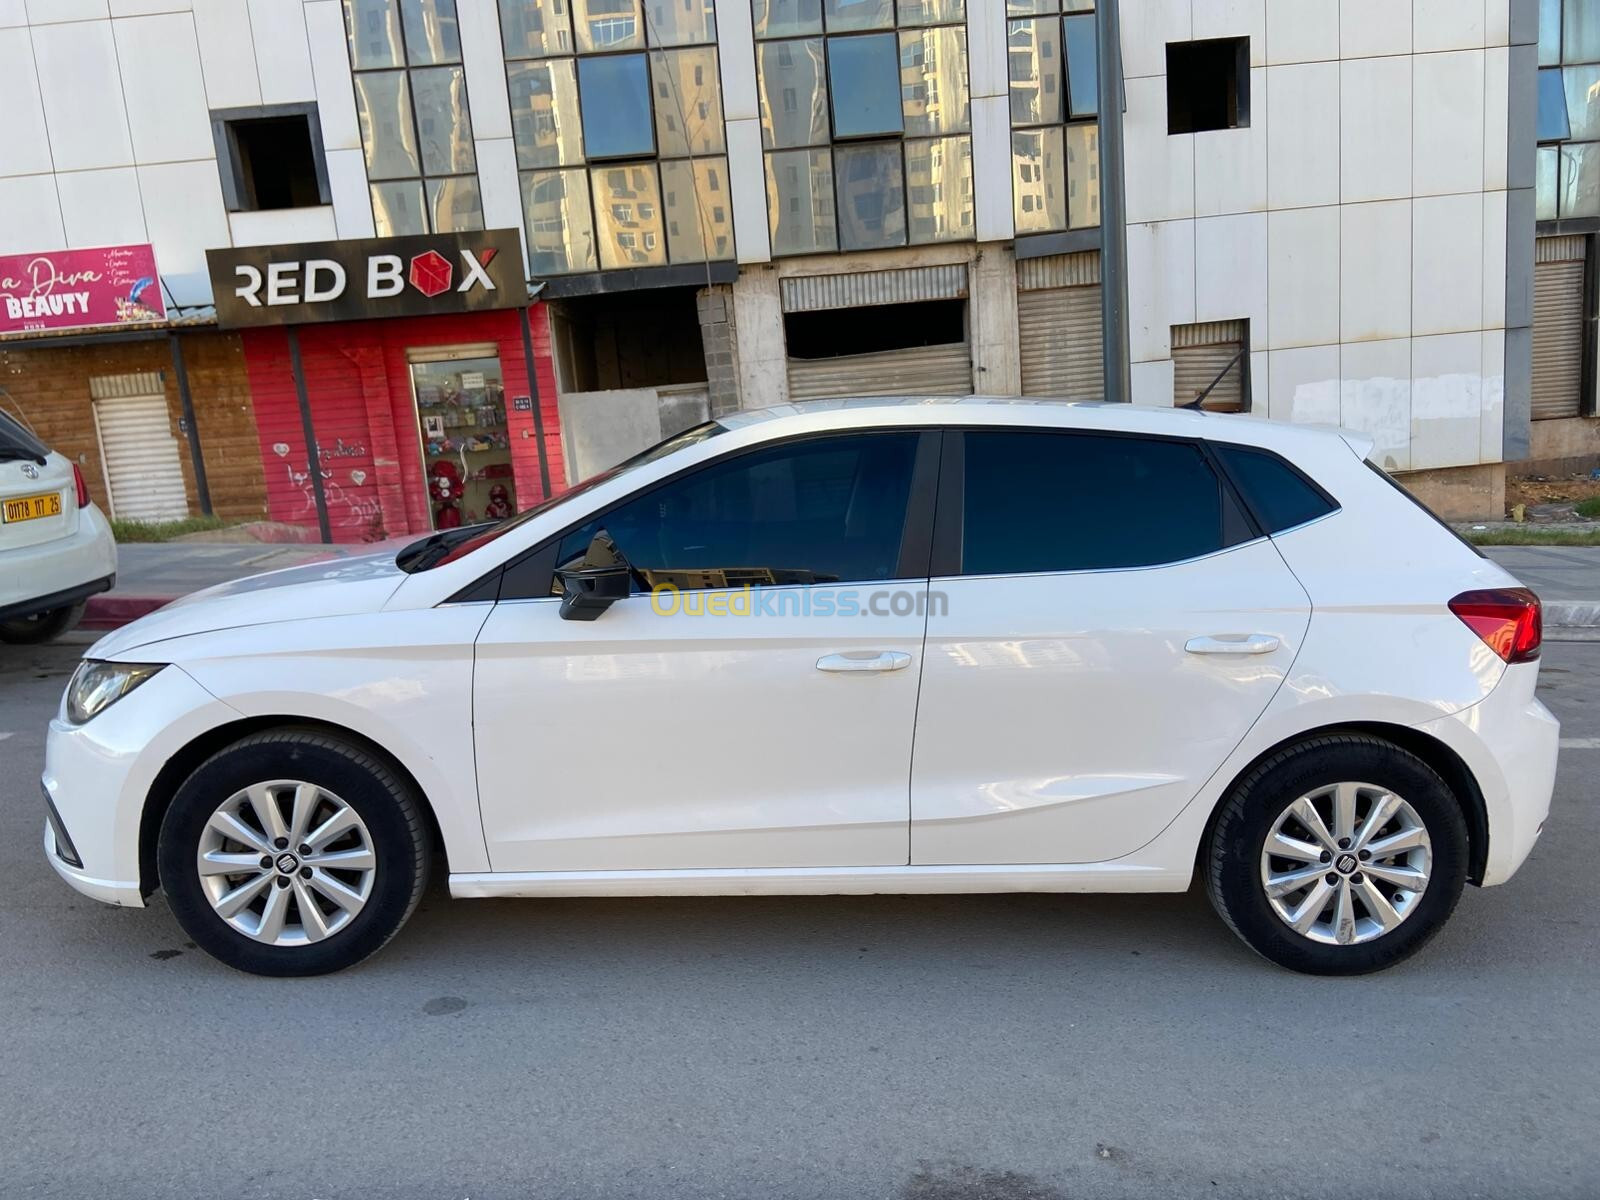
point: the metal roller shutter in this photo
(917, 371)
(1558, 277)
(144, 473)
(1059, 334)
(1058, 326)
(1199, 353)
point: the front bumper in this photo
(1509, 740)
(99, 774)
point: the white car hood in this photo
(339, 587)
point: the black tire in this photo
(41, 627)
(391, 813)
(1231, 863)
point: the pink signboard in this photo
(66, 289)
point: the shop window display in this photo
(466, 448)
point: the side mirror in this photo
(593, 585)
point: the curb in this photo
(112, 610)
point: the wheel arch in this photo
(1439, 757)
(185, 761)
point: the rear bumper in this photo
(1509, 740)
(35, 579)
(71, 595)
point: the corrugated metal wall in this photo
(918, 371)
(809, 293)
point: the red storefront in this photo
(420, 421)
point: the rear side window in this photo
(1038, 501)
(1279, 495)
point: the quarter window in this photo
(829, 510)
(1277, 493)
(1039, 502)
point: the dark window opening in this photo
(832, 332)
(628, 340)
(1208, 85)
(271, 160)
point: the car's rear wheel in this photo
(1338, 856)
(292, 853)
(41, 627)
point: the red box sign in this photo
(65, 289)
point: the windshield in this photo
(417, 557)
(16, 441)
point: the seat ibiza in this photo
(844, 647)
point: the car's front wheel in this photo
(1338, 856)
(41, 627)
(292, 852)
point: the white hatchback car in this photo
(56, 549)
(844, 647)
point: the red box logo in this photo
(430, 273)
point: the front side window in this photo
(825, 510)
(1041, 502)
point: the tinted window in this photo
(1279, 495)
(820, 511)
(1073, 502)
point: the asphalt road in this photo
(964, 1048)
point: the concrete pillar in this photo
(759, 353)
(714, 305)
(992, 291)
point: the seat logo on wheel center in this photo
(287, 863)
(1345, 864)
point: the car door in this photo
(751, 709)
(1104, 628)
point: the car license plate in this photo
(31, 508)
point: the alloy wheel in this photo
(1346, 863)
(286, 863)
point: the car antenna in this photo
(1195, 404)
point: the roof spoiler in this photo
(1360, 443)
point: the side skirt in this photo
(822, 881)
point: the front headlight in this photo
(96, 686)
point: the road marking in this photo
(1580, 743)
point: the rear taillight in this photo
(83, 488)
(1507, 619)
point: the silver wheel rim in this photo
(1346, 864)
(286, 863)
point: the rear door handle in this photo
(1254, 643)
(887, 660)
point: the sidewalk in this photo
(151, 575)
(1567, 578)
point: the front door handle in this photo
(887, 660)
(1253, 643)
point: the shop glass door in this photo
(466, 448)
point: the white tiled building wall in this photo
(1359, 223)
(106, 136)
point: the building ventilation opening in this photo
(913, 349)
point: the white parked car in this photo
(56, 549)
(850, 647)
